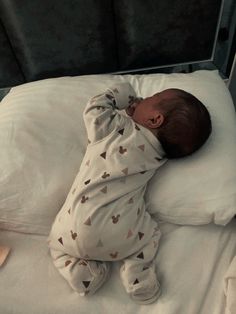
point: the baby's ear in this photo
(156, 120)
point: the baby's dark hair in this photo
(186, 125)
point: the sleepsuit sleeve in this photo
(101, 116)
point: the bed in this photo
(55, 56)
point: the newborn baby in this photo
(104, 218)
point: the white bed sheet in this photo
(191, 263)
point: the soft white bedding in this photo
(42, 128)
(43, 140)
(230, 288)
(192, 262)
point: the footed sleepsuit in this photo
(104, 217)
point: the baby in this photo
(104, 218)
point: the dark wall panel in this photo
(67, 37)
(50, 38)
(165, 32)
(10, 73)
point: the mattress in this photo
(191, 264)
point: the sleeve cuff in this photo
(124, 95)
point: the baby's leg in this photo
(85, 277)
(138, 273)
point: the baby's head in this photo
(179, 120)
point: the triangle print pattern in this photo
(99, 244)
(103, 155)
(88, 222)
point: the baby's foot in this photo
(99, 272)
(146, 296)
(142, 284)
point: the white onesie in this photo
(104, 217)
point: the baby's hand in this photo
(130, 110)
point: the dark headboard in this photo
(49, 38)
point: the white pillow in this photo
(201, 188)
(43, 139)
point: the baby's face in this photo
(142, 110)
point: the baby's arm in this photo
(100, 115)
